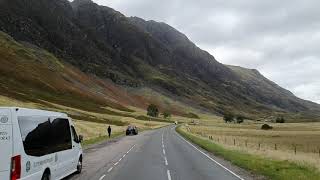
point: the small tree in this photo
(280, 120)
(228, 117)
(166, 114)
(240, 119)
(153, 110)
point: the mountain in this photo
(137, 55)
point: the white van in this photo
(37, 145)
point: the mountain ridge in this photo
(136, 53)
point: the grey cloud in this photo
(279, 38)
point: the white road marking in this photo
(102, 177)
(164, 151)
(169, 176)
(115, 164)
(131, 148)
(211, 159)
(162, 137)
(166, 161)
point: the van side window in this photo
(61, 135)
(42, 135)
(74, 135)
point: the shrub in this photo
(192, 115)
(153, 110)
(280, 120)
(228, 117)
(240, 119)
(266, 127)
(166, 114)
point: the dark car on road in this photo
(132, 130)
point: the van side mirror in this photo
(80, 138)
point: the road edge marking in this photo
(236, 175)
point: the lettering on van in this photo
(28, 166)
(43, 162)
(4, 119)
(4, 136)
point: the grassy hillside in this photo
(32, 74)
(276, 95)
(32, 77)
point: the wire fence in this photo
(247, 143)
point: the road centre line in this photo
(166, 161)
(110, 169)
(102, 177)
(169, 175)
(115, 164)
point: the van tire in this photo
(79, 166)
(46, 176)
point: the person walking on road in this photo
(109, 131)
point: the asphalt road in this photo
(154, 155)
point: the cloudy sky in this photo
(279, 38)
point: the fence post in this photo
(246, 142)
(295, 149)
(275, 147)
(259, 146)
(234, 142)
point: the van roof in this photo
(35, 111)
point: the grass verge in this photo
(87, 143)
(273, 169)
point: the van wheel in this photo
(45, 176)
(79, 166)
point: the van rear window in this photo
(44, 135)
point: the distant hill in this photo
(137, 55)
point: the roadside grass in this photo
(294, 142)
(87, 142)
(273, 169)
